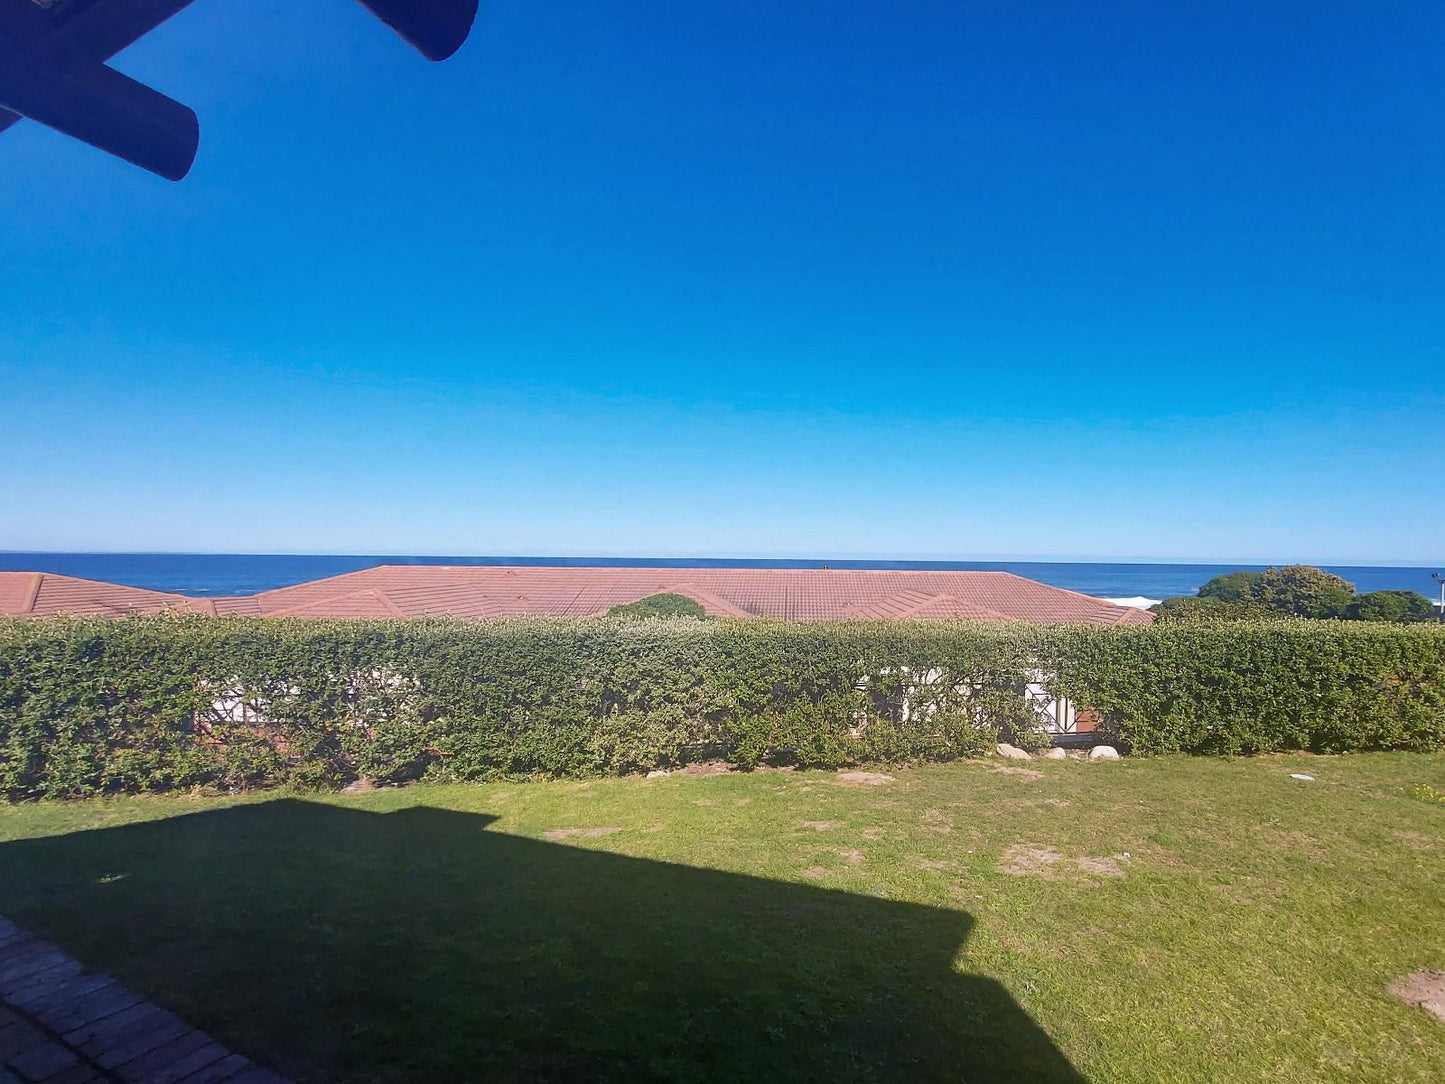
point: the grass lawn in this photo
(1169, 919)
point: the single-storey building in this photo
(467, 591)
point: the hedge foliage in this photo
(158, 703)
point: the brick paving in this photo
(62, 1024)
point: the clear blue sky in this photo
(1129, 280)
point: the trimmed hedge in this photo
(158, 703)
(1262, 686)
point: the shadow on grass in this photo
(339, 944)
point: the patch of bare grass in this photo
(1103, 867)
(937, 822)
(1029, 860)
(1023, 773)
(1425, 989)
(863, 779)
(1035, 860)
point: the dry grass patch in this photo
(1034, 860)
(1425, 989)
(1022, 773)
(936, 821)
(863, 779)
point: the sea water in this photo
(245, 573)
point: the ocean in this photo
(245, 573)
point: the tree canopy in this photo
(1231, 587)
(1390, 606)
(1304, 591)
(1292, 591)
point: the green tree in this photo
(1232, 586)
(663, 605)
(1390, 606)
(1304, 591)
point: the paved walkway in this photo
(61, 1024)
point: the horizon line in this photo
(872, 559)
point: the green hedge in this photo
(1264, 686)
(149, 704)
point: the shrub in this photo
(663, 605)
(1390, 606)
(1303, 591)
(157, 703)
(1232, 586)
(1208, 609)
(1291, 591)
(1260, 686)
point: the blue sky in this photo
(809, 279)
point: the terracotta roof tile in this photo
(242, 606)
(41, 594)
(17, 591)
(476, 591)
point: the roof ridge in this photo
(36, 578)
(732, 609)
(775, 569)
(106, 583)
(326, 579)
(325, 600)
(911, 610)
(1070, 591)
(385, 600)
(978, 610)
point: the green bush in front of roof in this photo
(663, 605)
(162, 703)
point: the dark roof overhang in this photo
(53, 69)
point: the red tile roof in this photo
(44, 593)
(475, 591)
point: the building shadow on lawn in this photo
(339, 944)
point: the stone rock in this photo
(658, 773)
(1055, 753)
(1012, 752)
(1103, 752)
(360, 786)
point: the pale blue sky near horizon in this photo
(863, 280)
